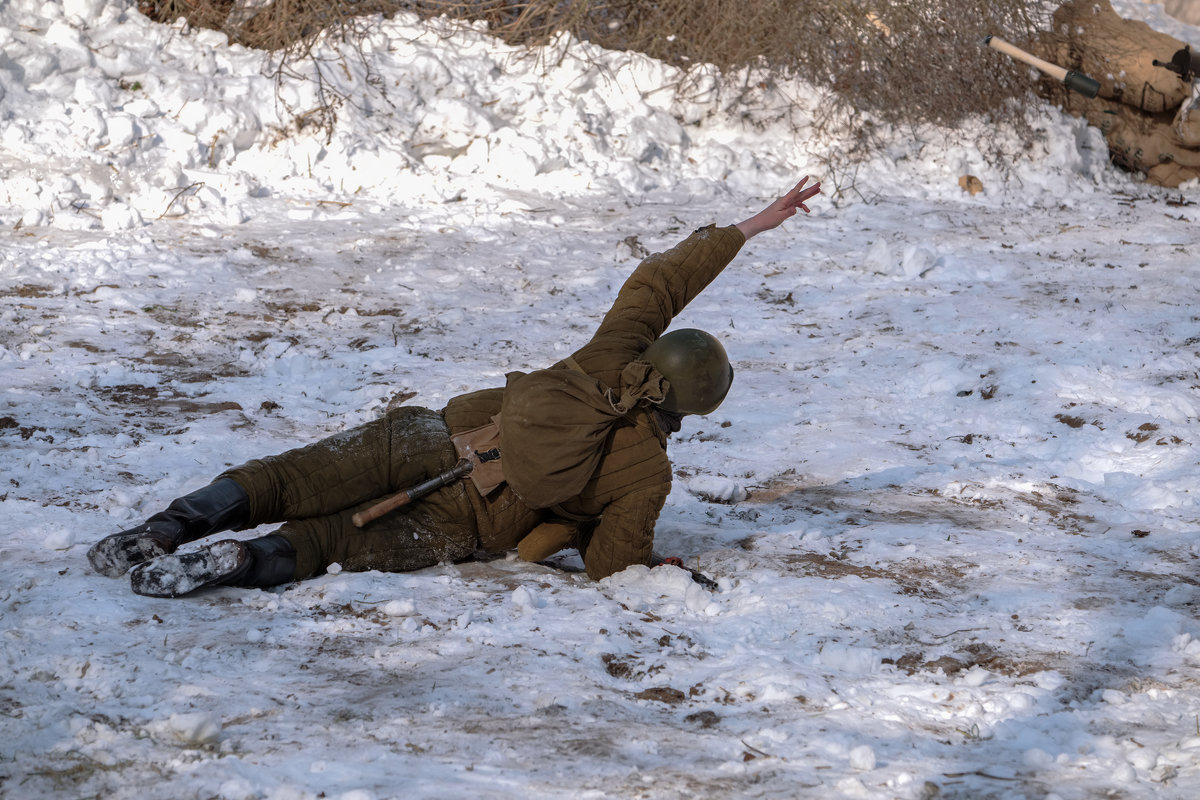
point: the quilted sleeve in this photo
(625, 534)
(657, 291)
(665, 283)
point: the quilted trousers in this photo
(316, 489)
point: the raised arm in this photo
(783, 208)
(665, 283)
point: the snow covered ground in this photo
(951, 501)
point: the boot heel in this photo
(113, 555)
(183, 573)
(217, 507)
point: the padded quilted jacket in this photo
(629, 487)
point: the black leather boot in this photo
(272, 561)
(266, 561)
(217, 507)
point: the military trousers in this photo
(316, 489)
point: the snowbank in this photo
(950, 503)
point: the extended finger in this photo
(810, 192)
(797, 189)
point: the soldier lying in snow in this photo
(629, 386)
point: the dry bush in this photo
(200, 13)
(907, 61)
(884, 61)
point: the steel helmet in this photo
(696, 367)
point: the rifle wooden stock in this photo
(1075, 81)
(403, 498)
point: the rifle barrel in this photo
(1075, 81)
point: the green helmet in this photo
(695, 365)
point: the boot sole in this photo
(114, 555)
(183, 573)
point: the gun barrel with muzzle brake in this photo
(1184, 63)
(1075, 81)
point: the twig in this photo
(961, 630)
(193, 188)
(756, 751)
(80, 207)
(978, 773)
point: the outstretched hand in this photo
(787, 206)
